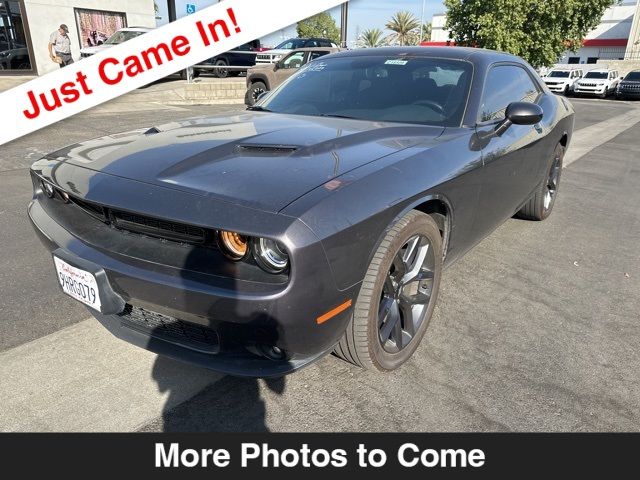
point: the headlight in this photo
(270, 255)
(47, 188)
(233, 245)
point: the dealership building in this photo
(617, 37)
(25, 27)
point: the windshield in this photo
(122, 36)
(558, 74)
(291, 44)
(633, 77)
(599, 75)
(422, 90)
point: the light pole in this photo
(421, 23)
(343, 25)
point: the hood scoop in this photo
(265, 149)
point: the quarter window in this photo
(318, 54)
(505, 84)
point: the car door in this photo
(511, 160)
(288, 66)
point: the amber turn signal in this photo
(233, 245)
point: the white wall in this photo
(438, 33)
(45, 16)
(616, 22)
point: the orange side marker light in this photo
(332, 313)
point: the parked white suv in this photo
(600, 82)
(562, 80)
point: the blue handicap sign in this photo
(191, 8)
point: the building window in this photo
(14, 53)
(574, 60)
(96, 26)
(592, 60)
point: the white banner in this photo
(152, 56)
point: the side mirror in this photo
(520, 113)
(524, 113)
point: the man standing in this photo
(60, 46)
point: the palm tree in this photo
(426, 32)
(402, 24)
(371, 38)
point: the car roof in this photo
(135, 29)
(316, 49)
(602, 70)
(479, 57)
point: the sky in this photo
(363, 14)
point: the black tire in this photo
(253, 92)
(539, 206)
(362, 342)
(221, 72)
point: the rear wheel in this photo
(221, 72)
(539, 207)
(397, 297)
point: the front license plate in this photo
(78, 284)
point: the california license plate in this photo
(78, 284)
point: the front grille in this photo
(187, 334)
(150, 226)
(630, 87)
(158, 228)
(589, 85)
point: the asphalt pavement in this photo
(535, 329)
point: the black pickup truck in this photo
(231, 63)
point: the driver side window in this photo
(505, 84)
(293, 61)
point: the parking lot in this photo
(535, 329)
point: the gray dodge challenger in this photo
(318, 221)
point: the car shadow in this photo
(225, 403)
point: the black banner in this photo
(413, 455)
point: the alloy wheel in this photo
(552, 182)
(406, 294)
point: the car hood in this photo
(279, 51)
(260, 160)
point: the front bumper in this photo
(590, 90)
(245, 320)
(557, 88)
(628, 93)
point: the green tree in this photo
(537, 30)
(403, 25)
(426, 32)
(322, 25)
(371, 38)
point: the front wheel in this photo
(397, 298)
(255, 90)
(539, 207)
